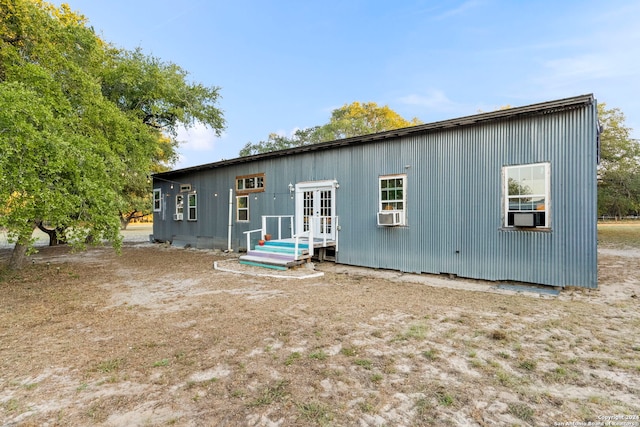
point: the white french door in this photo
(315, 207)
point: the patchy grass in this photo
(619, 234)
(316, 412)
(318, 355)
(290, 360)
(270, 394)
(108, 366)
(364, 363)
(522, 411)
(108, 333)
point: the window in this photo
(242, 210)
(157, 200)
(179, 208)
(250, 183)
(526, 190)
(192, 207)
(392, 193)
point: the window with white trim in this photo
(392, 192)
(526, 198)
(157, 200)
(179, 207)
(192, 207)
(242, 208)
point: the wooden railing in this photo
(263, 229)
(279, 217)
(328, 225)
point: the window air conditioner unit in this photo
(177, 217)
(389, 218)
(526, 219)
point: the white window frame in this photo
(239, 209)
(391, 205)
(544, 208)
(157, 200)
(179, 207)
(192, 209)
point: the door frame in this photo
(323, 185)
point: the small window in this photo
(250, 183)
(526, 195)
(392, 197)
(242, 210)
(192, 207)
(179, 208)
(157, 200)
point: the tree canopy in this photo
(619, 170)
(350, 120)
(82, 125)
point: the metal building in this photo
(504, 196)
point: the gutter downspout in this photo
(230, 220)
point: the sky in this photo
(283, 65)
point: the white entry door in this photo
(315, 207)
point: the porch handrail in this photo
(325, 226)
(280, 217)
(325, 223)
(248, 234)
(309, 235)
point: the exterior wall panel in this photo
(454, 199)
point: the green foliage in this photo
(619, 170)
(56, 165)
(360, 119)
(157, 93)
(82, 125)
(347, 121)
(277, 142)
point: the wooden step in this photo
(280, 250)
(274, 255)
(269, 262)
(285, 244)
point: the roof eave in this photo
(506, 114)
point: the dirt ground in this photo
(158, 337)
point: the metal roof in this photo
(506, 114)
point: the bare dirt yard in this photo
(157, 337)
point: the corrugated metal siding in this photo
(454, 199)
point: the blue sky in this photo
(286, 64)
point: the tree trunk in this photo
(124, 221)
(19, 253)
(54, 240)
(18, 256)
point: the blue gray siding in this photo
(454, 199)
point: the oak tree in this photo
(619, 169)
(350, 120)
(78, 135)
